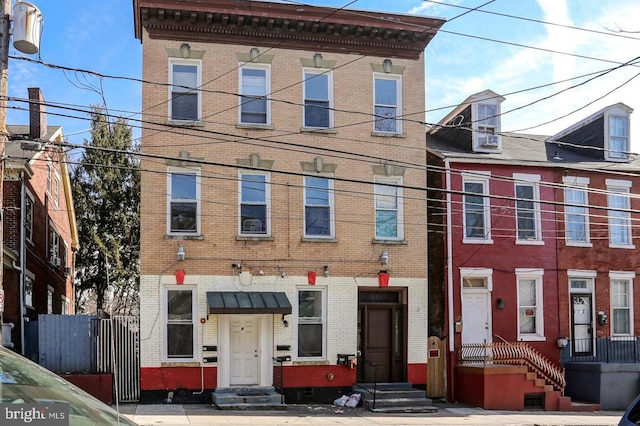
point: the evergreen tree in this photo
(106, 193)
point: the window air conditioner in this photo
(252, 226)
(57, 261)
(490, 141)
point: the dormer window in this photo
(618, 137)
(487, 126)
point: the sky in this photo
(545, 57)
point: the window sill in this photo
(319, 362)
(530, 242)
(254, 126)
(579, 244)
(185, 123)
(390, 242)
(623, 246)
(167, 363)
(468, 241)
(254, 238)
(388, 135)
(532, 338)
(325, 130)
(183, 237)
(319, 240)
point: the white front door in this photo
(476, 316)
(244, 350)
(582, 324)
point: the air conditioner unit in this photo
(490, 141)
(57, 261)
(252, 226)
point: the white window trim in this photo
(484, 178)
(477, 273)
(178, 170)
(477, 124)
(329, 74)
(537, 275)
(30, 196)
(192, 62)
(332, 215)
(578, 184)
(165, 304)
(267, 68)
(399, 108)
(50, 294)
(398, 182)
(533, 180)
(56, 189)
(32, 277)
(324, 292)
(623, 276)
(54, 244)
(577, 274)
(607, 138)
(620, 188)
(267, 195)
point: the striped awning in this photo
(253, 302)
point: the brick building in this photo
(282, 197)
(40, 234)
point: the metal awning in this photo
(253, 302)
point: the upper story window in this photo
(179, 333)
(530, 306)
(49, 175)
(56, 190)
(619, 204)
(54, 246)
(528, 221)
(183, 202)
(388, 206)
(576, 211)
(487, 125)
(254, 88)
(318, 207)
(184, 93)
(477, 215)
(311, 323)
(29, 203)
(618, 137)
(254, 203)
(318, 98)
(387, 103)
(28, 290)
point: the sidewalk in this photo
(447, 415)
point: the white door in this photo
(244, 350)
(582, 326)
(476, 318)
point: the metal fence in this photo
(624, 349)
(118, 352)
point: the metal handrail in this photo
(513, 353)
(368, 367)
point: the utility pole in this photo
(5, 14)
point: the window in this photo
(64, 306)
(311, 327)
(318, 207)
(618, 137)
(254, 204)
(619, 213)
(318, 99)
(254, 88)
(184, 202)
(576, 211)
(28, 216)
(184, 91)
(49, 175)
(56, 190)
(476, 209)
(180, 328)
(621, 303)
(54, 246)
(387, 103)
(388, 205)
(487, 125)
(49, 299)
(530, 313)
(527, 208)
(28, 291)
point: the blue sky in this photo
(474, 52)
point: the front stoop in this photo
(395, 398)
(248, 398)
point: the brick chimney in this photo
(37, 114)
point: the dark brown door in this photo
(382, 343)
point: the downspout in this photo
(447, 168)
(23, 260)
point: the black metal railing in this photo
(278, 374)
(367, 379)
(623, 349)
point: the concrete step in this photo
(249, 398)
(394, 398)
